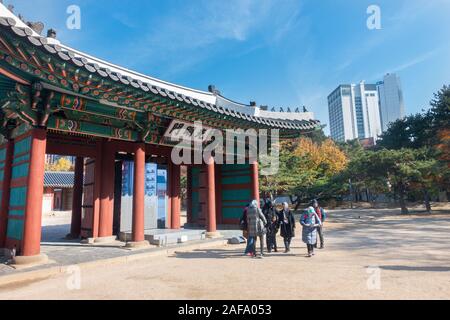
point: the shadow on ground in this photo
(228, 254)
(55, 233)
(412, 268)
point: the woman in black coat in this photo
(272, 226)
(287, 225)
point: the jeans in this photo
(250, 245)
(320, 236)
(261, 243)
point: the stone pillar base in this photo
(137, 245)
(105, 239)
(102, 240)
(30, 260)
(213, 235)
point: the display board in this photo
(155, 196)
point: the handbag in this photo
(261, 227)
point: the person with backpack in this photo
(322, 216)
(310, 221)
(256, 222)
(287, 226)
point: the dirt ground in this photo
(369, 254)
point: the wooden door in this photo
(87, 217)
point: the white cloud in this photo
(194, 32)
(408, 64)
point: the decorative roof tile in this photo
(58, 179)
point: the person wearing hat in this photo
(310, 221)
(256, 222)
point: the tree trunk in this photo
(402, 201)
(427, 200)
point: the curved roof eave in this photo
(208, 100)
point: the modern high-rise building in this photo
(392, 106)
(354, 112)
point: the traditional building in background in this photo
(354, 112)
(58, 191)
(57, 100)
(392, 105)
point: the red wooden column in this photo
(189, 194)
(255, 181)
(211, 214)
(75, 226)
(31, 244)
(176, 196)
(138, 195)
(105, 228)
(97, 189)
(218, 175)
(169, 194)
(5, 189)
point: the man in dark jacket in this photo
(322, 216)
(272, 226)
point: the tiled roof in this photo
(196, 98)
(58, 179)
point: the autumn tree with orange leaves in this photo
(305, 165)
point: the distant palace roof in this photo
(56, 179)
(122, 88)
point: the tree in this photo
(440, 112)
(304, 167)
(325, 159)
(62, 164)
(411, 132)
(399, 172)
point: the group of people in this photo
(266, 223)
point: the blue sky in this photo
(285, 53)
